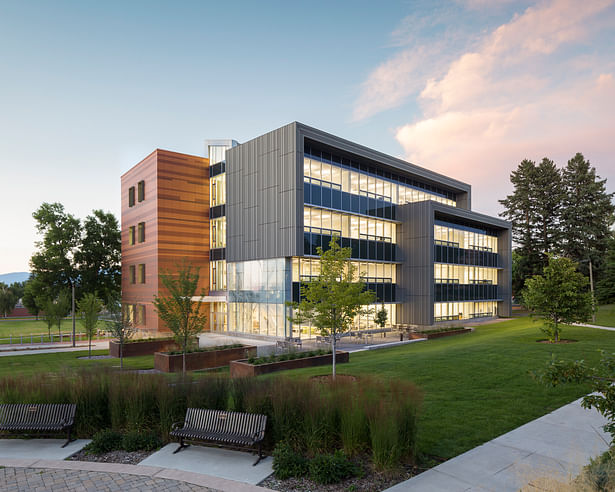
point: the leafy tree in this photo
(54, 261)
(90, 307)
(99, 258)
(17, 288)
(381, 317)
(121, 328)
(30, 297)
(333, 299)
(587, 213)
(600, 378)
(606, 286)
(181, 314)
(7, 300)
(558, 296)
(62, 307)
(50, 313)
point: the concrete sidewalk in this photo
(557, 445)
(33, 349)
(608, 328)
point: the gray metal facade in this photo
(264, 210)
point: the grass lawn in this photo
(57, 362)
(477, 386)
(606, 315)
(27, 327)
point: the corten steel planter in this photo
(439, 334)
(202, 360)
(241, 368)
(144, 347)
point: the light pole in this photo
(72, 285)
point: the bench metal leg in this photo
(260, 455)
(181, 446)
(68, 440)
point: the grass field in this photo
(47, 364)
(477, 386)
(606, 315)
(17, 328)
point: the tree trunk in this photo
(121, 355)
(90, 347)
(333, 342)
(184, 362)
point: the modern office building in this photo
(252, 216)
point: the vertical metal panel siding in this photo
(263, 199)
(505, 275)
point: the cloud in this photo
(540, 84)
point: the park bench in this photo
(46, 418)
(289, 343)
(230, 428)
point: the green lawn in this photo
(16, 328)
(477, 386)
(606, 315)
(52, 363)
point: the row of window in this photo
(306, 268)
(217, 190)
(385, 292)
(362, 249)
(136, 234)
(137, 273)
(465, 237)
(453, 254)
(461, 274)
(140, 193)
(464, 292)
(320, 196)
(448, 311)
(217, 277)
(345, 225)
(322, 162)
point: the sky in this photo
(467, 88)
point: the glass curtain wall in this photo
(257, 292)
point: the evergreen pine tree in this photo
(605, 288)
(587, 213)
(547, 200)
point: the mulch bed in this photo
(339, 378)
(123, 457)
(564, 340)
(371, 481)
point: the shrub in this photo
(332, 468)
(104, 441)
(141, 441)
(287, 462)
(599, 475)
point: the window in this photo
(133, 276)
(142, 273)
(140, 314)
(141, 232)
(131, 196)
(141, 191)
(131, 235)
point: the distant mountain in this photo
(11, 278)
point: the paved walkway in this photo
(557, 445)
(49, 348)
(609, 328)
(56, 475)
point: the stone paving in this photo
(39, 479)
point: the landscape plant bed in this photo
(243, 368)
(143, 347)
(439, 333)
(203, 359)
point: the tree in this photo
(333, 299)
(121, 328)
(62, 307)
(605, 288)
(547, 203)
(381, 317)
(181, 314)
(7, 300)
(558, 296)
(587, 213)
(601, 379)
(17, 288)
(99, 258)
(53, 263)
(30, 297)
(50, 311)
(90, 307)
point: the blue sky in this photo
(90, 88)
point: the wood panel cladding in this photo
(175, 211)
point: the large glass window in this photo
(463, 274)
(465, 237)
(322, 221)
(217, 233)
(450, 311)
(217, 277)
(217, 190)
